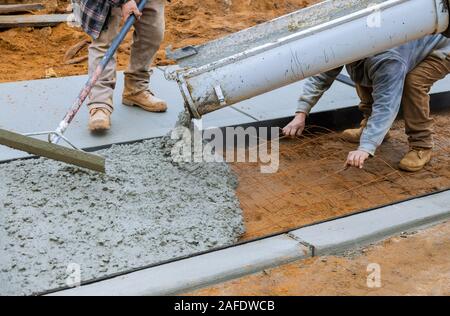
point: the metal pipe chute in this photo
(299, 45)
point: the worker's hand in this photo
(296, 127)
(356, 159)
(129, 8)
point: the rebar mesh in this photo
(312, 183)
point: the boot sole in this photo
(98, 127)
(132, 104)
(412, 169)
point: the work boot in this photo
(99, 120)
(354, 135)
(145, 100)
(416, 159)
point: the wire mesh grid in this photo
(312, 183)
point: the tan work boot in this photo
(354, 135)
(99, 120)
(145, 100)
(416, 159)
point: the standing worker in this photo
(101, 20)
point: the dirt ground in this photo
(417, 264)
(35, 53)
(312, 186)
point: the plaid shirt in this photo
(94, 14)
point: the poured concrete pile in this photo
(144, 211)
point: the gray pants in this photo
(147, 37)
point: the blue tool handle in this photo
(121, 36)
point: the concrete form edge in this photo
(199, 271)
(223, 265)
(337, 236)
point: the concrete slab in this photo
(326, 238)
(222, 118)
(441, 86)
(358, 230)
(39, 105)
(200, 271)
(283, 102)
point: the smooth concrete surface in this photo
(283, 102)
(359, 230)
(325, 238)
(39, 105)
(200, 271)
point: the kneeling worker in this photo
(380, 83)
(416, 109)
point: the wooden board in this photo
(8, 21)
(56, 152)
(13, 8)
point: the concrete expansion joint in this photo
(311, 247)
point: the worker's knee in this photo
(150, 30)
(417, 81)
(158, 32)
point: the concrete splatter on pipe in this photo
(308, 46)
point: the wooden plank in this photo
(14, 8)
(8, 21)
(56, 152)
(72, 51)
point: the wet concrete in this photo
(145, 210)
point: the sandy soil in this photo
(417, 264)
(312, 186)
(34, 53)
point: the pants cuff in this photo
(104, 106)
(423, 145)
